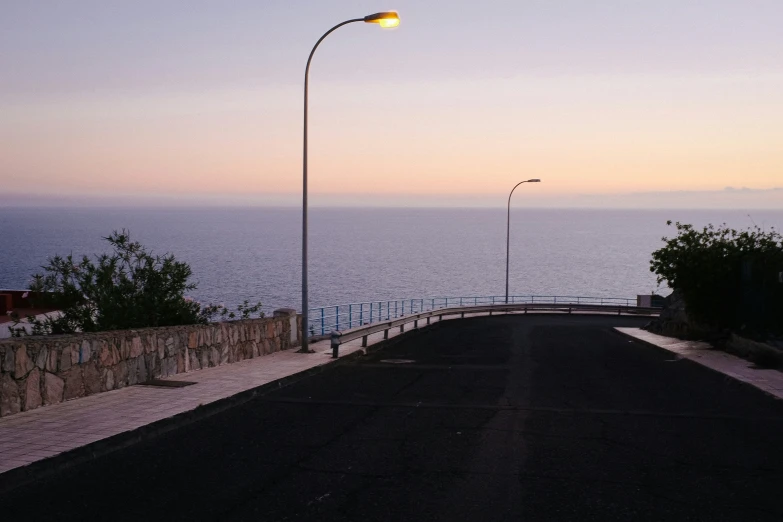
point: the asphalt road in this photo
(534, 418)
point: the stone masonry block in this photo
(22, 363)
(74, 383)
(42, 357)
(10, 401)
(8, 359)
(32, 390)
(92, 379)
(65, 358)
(52, 389)
(136, 348)
(108, 380)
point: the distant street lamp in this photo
(386, 20)
(508, 226)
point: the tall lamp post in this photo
(386, 20)
(508, 226)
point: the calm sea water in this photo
(370, 254)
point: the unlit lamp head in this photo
(387, 19)
(534, 181)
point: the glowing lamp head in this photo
(386, 19)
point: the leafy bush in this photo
(728, 278)
(129, 288)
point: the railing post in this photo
(335, 345)
(433, 305)
(350, 316)
(361, 314)
(428, 320)
(337, 317)
(416, 324)
(322, 322)
(364, 341)
(385, 334)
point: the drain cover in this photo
(167, 384)
(397, 361)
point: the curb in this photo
(695, 362)
(42, 469)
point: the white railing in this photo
(326, 319)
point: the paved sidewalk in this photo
(769, 381)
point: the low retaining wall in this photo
(41, 370)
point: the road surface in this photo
(524, 418)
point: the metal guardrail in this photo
(325, 319)
(340, 337)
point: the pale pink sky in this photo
(610, 102)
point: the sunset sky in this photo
(610, 102)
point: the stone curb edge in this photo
(41, 469)
(737, 380)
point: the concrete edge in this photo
(47, 467)
(696, 362)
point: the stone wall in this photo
(42, 370)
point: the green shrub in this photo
(128, 288)
(728, 278)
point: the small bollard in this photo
(335, 345)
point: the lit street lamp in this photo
(385, 20)
(508, 226)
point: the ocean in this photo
(362, 254)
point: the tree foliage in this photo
(127, 288)
(728, 278)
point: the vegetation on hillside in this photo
(729, 279)
(127, 288)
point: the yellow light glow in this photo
(389, 22)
